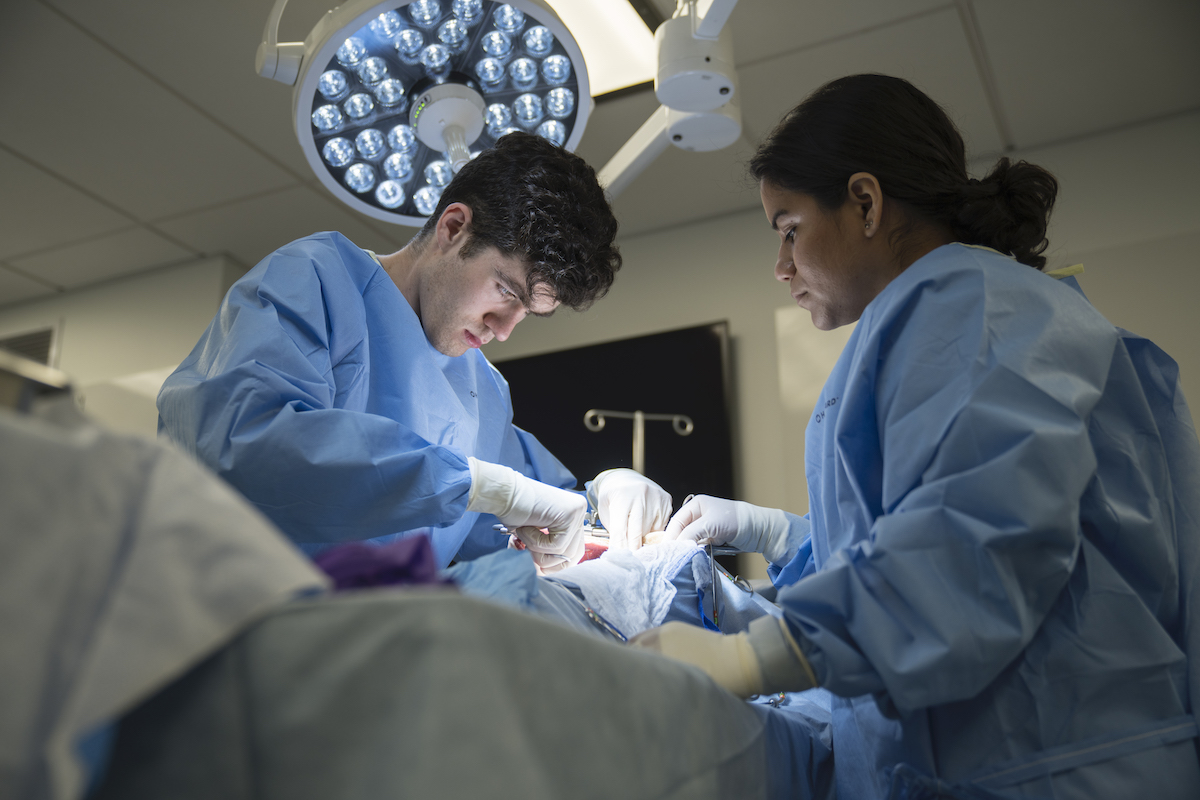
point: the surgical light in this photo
(392, 98)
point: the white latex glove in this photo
(750, 528)
(728, 660)
(630, 505)
(547, 519)
(534, 538)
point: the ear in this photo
(452, 226)
(865, 194)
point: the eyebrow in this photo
(522, 294)
(775, 219)
(513, 287)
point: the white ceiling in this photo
(135, 134)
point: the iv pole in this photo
(595, 421)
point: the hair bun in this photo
(975, 189)
(1008, 210)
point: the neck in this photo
(920, 241)
(404, 268)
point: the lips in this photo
(472, 339)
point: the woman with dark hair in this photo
(997, 577)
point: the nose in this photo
(501, 323)
(784, 267)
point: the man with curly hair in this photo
(345, 395)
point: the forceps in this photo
(716, 579)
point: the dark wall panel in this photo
(682, 371)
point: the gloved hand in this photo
(728, 660)
(750, 528)
(630, 506)
(547, 519)
(764, 659)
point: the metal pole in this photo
(639, 442)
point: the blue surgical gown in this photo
(315, 392)
(1000, 584)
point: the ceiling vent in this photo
(37, 345)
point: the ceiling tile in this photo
(253, 228)
(763, 29)
(1071, 68)
(109, 256)
(931, 51)
(47, 212)
(682, 186)
(17, 288)
(89, 116)
(208, 57)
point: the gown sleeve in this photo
(963, 437)
(259, 400)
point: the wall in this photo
(119, 340)
(1126, 210)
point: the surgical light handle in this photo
(595, 421)
(279, 62)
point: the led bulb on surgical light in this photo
(408, 44)
(553, 130)
(425, 13)
(360, 177)
(333, 85)
(398, 167)
(426, 199)
(498, 118)
(539, 41)
(352, 51)
(326, 118)
(469, 11)
(390, 194)
(491, 74)
(453, 33)
(497, 44)
(435, 59)
(372, 70)
(402, 139)
(508, 19)
(390, 92)
(387, 25)
(338, 152)
(359, 105)
(370, 144)
(524, 72)
(560, 103)
(556, 70)
(438, 173)
(528, 110)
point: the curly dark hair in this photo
(532, 199)
(889, 128)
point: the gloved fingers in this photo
(616, 521)
(700, 533)
(688, 513)
(549, 562)
(650, 514)
(656, 517)
(627, 523)
(572, 550)
(541, 540)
